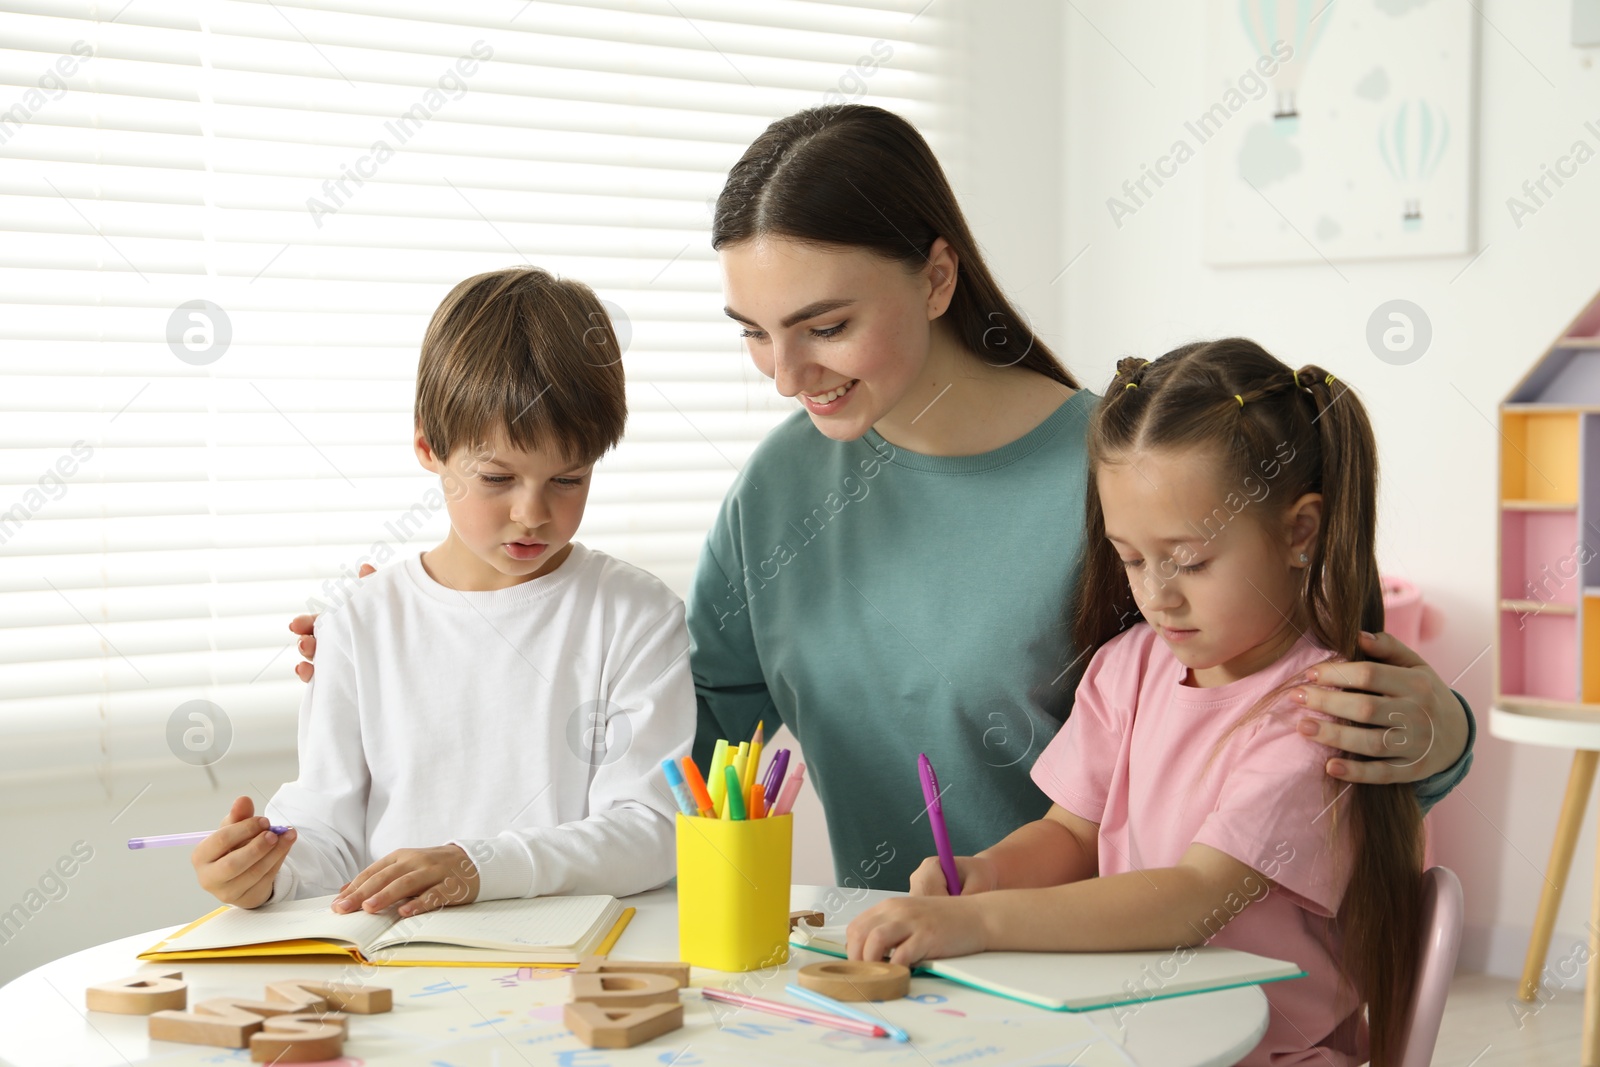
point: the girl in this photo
(1229, 548)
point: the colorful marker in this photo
(733, 805)
(941, 834)
(697, 788)
(714, 779)
(775, 772)
(791, 789)
(680, 789)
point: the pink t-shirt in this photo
(1133, 757)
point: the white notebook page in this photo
(541, 922)
(283, 921)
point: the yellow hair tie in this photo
(1131, 385)
(1329, 380)
(1239, 398)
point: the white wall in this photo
(1143, 288)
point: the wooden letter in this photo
(624, 990)
(857, 979)
(677, 971)
(140, 994)
(301, 1038)
(339, 996)
(608, 1027)
(222, 1021)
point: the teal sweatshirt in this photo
(883, 603)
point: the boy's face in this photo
(513, 513)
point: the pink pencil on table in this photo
(791, 789)
(810, 1015)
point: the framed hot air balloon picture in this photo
(1337, 131)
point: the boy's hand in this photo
(912, 929)
(302, 624)
(977, 876)
(422, 878)
(238, 863)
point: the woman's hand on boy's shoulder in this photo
(417, 879)
(303, 625)
(1404, 724)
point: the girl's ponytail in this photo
(1344, 591)
(1381, 913)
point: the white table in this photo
(488, 1016)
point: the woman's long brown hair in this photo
(1233, 400)
(855, 176)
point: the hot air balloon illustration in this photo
(1297, 24)
(1412, 140)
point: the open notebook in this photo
(543, 931)
(1084, 981)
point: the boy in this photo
(489, 717)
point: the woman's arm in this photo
(1412, 725)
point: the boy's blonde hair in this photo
(524, 353)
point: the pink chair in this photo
(1441, 940)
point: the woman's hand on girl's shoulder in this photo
(1403, 723)
(303, 625)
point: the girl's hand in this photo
(1413, 724)
(302, 624)
(238, 863)
(977, 876)
(909, 930)
(418, 879)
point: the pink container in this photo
(1402, 610)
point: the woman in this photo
(890, 573)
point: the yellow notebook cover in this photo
(333, 948)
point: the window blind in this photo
(223, 226)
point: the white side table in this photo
(1560, 727)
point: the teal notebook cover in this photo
(1086, 981)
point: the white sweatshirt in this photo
(526, 725)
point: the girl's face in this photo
(1220, 583)
(845, 330)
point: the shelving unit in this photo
(1549, 633)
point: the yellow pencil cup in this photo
(733, 891)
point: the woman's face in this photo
(843, 329)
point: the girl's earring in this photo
(1304, 558)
